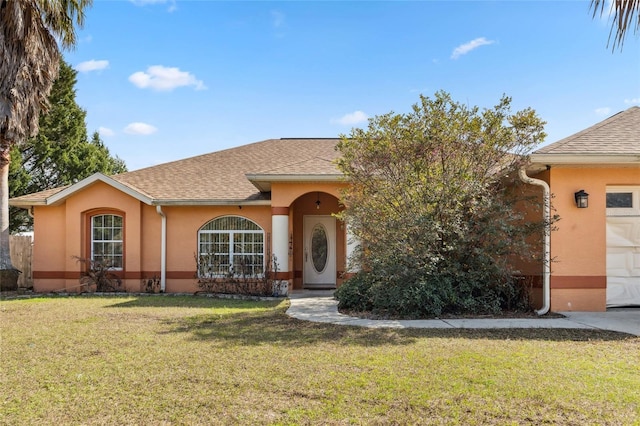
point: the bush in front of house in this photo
(242, 279)
(433, 199)
(414, 295)
(98, 276)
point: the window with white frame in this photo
(230, 245)
(107, 245)
(623, 201)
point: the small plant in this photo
(98, 276)
(150, 285)
(241, 278)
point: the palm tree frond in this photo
(624, 14)
(29, 66)
(61, 17)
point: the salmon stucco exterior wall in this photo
(63, 234)
(578, 245)
(283, 194)
(49, 254)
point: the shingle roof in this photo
(221, 176)
(617, 135)
(313, 166)
(37, 197)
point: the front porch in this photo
(310, 244)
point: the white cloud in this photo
(163, 78)
(603, 111)
(172, 3)
(352, 118)
(105, 131)
(140, 129)
(463, 49)
(632, 101)
(92, 65)
(277, 18)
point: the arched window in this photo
(107, 242)
(231, 245)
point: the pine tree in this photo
(61, 153)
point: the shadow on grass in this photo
(192, 301)
(263, 322)
(275, 327)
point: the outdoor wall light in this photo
(582, 199)
(318, 202)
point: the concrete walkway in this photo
(320, 306)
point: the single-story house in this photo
(241, 206)
(277, 198)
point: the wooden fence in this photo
(21, 247)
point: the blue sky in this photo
(165, 80)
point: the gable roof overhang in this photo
(231, 202)
(53, 198)
(263, 181)
(613, 142)
(586, 158)
(541, 161)
(59, 197)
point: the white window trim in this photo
(114, 268)
(635, 200)
(231, 253)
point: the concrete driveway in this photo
(320, 306)
(624, 320)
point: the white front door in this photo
(319, 261)
(623, 246)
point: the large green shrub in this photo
(429, 296)
(432, 197)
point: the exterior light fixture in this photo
(582, 199)
(318, 202)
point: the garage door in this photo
(623, 246)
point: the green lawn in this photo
(192, 360)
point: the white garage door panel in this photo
(621, 293)
(623, 260)
(622, 232)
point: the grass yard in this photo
(193, 360)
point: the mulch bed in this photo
(502, 315)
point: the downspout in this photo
(163, 250)
(546, 288)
